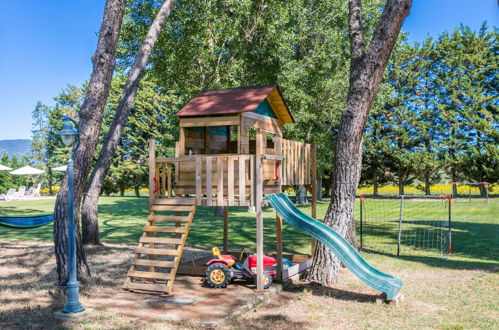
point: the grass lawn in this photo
(455, 293)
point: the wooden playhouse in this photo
(230, 152)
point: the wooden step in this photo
(160, 252)
(172, 208)
(153, 263)
(160, 229)
(175, 201)
(155, 287)
(160, 240)
(167, 218)
(151, 275)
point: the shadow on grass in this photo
(324, 291)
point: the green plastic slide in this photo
(338, 245)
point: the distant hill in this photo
(15, 147)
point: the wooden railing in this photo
(219, 180)
(297, 161)
(229, 179)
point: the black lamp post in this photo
(70, 136)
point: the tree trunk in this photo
(122, 191)
(366, 71)
(137, 191)
(91, 114)
(375, 182)
(427, 183)
(94, 184)
(301, 195)
(401, 181)
(318, 191)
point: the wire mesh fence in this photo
(405, 225)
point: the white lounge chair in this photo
(36, 191)
(20, 193)
(9, 195)
(33, 192)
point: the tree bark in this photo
(94, 184)
(366, 71)
(301, 195)
(91, 114)
(401, 182)
(137, 191)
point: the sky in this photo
(46, 45)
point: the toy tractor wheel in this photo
(218, 275)
(267, 280)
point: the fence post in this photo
(400, 223)
(449, 246)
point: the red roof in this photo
(224, 101)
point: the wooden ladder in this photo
(160, 248)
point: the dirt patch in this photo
(27, 287)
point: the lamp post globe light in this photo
(69, 135)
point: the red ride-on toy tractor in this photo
(223, 268)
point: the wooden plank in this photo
(210, 121)
(157, 252)
(165, 229)
(198, 181)
(181, 142)
(209, 186)
(278, 152)
(278, 231)
(155, 263)
(152, 166)
(169, 166)
(252, 180)
(220, 183)
(230, 180)
(272, 157)
(173, 208)
(160, 240)
(177, 155)
(157, 183)
(301, 162)
(263, 123)
(242, 180)
(167, 218)
(151, 275)
(146, 287)
(175, 201)
(259, 214)
(226, 230)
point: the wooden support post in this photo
(163, 180)
(226, 230)
(259, 214)
(314, 189)
(278, 233)
(198, 180)
(170, 180)
(220, 181)
(181, 142)
(152, 170)
(230, 180)
(209, 186)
